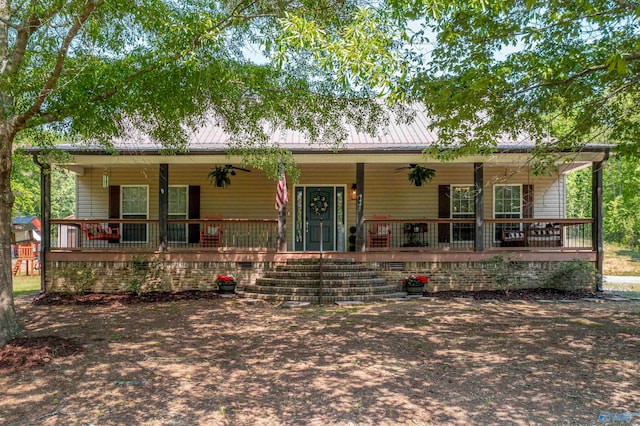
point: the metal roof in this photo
(394, 137)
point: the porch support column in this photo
(281, 239)
(45, 212)
(163, 206)
(360, 240)
(478, 183)
(596, 214)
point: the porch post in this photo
(45, 212)
(596, 214)
(360, 240)
(163, 206)
(478, 183)
(281, 240)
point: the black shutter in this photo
(114, 202)
(114, 206)
(194, 213)
(444, 212)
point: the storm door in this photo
(320, 207)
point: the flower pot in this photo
(415, 290)
(227, 288)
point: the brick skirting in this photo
(145, 273)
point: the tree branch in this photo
(4, 34)
(25, 120)
(31, 24)
(234, 14)
(563, 22)
(627, 4)
(628, 57)
(8, 23)
(20, 120)
(34, 116)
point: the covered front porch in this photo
(357, 207)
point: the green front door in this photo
(320, 214)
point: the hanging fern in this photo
(418, 175)
(219, 176)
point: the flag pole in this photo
(320, 269)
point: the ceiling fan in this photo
(232, 169)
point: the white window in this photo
(134, 204)
(507, 204)
(463, 206)
(178, 209)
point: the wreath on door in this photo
(319, 205)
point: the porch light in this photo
(105, 179)
(353, 191)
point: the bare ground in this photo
(219, 361)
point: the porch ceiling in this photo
(568, 161)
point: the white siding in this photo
(548, 191)
(550, 201)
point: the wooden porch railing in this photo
(118, 234)
(459, 234)
(380, 235)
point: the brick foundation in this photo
(142, 276)
(490, 275)
(145, 274)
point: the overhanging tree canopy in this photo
(95, 70)
(563, 70)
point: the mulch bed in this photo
(26, 352)
(527, 294)
(121, 298)
(154, 297)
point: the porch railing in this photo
(117, 234)
(379, 235)
(569, 234)
(459, 234)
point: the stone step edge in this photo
(277, 282)
(326, 299)
(315, 291)
(296, 274)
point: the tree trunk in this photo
(8, 323)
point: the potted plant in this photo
(414, 284)
(226, 284)
(219, 176)
(418, 175)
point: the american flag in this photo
(281, 192)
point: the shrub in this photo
(572, 275)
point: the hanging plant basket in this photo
(418, 175)
(219, 177)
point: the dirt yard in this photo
(219, 361)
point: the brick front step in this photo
(292, 262)
(314, 275)
(342, 280)
(292, 283)
(313, 291)
(326, 267)
(325, 298)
